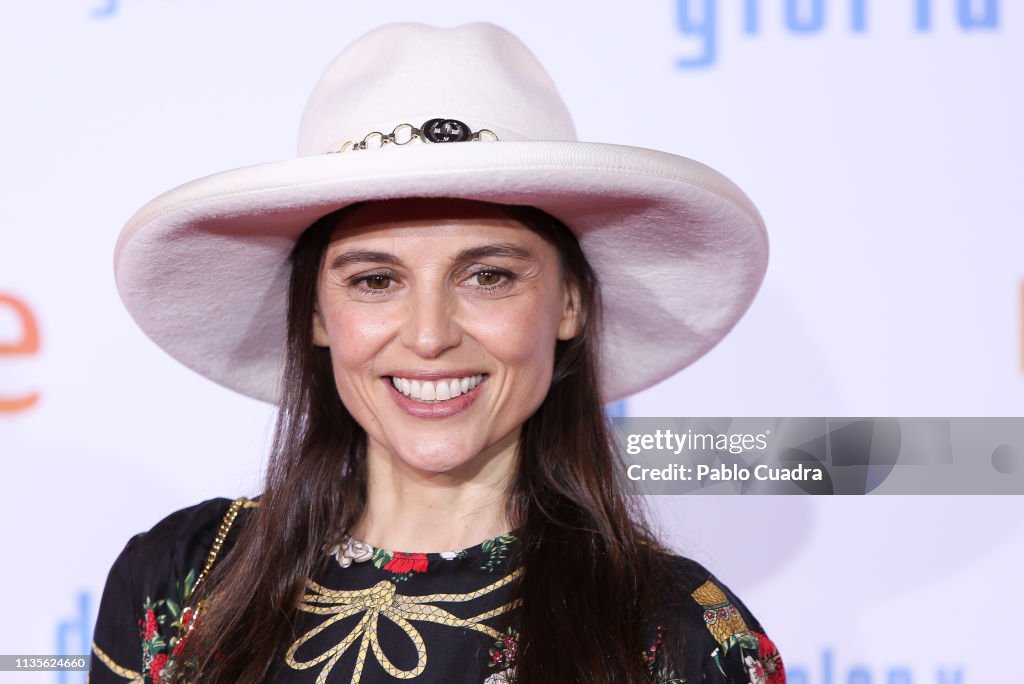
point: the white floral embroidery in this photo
(504, 677)
(351, 550)
(449, 555)
(755, 669)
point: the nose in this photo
(430, 327)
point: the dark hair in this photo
(591, 567)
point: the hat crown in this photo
(408, 73)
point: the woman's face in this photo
(441, 319)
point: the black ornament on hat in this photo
(445, 130)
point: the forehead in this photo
(435, 223)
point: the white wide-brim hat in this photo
(465, 112)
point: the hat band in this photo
(431, 131)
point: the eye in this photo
(377, 282)
(374, 284)
(491, 280)
(488, 278)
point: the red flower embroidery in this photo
(650, 656)
(151, 624)
(402, 563)
(773, 666)
(758, 669)
(511, 645)
(157, 664)
(505, 648)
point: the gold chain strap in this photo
(211, 557)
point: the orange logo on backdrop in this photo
(25, 345)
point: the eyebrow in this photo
(364, 256)
(367, 256)
(500, 249)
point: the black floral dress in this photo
(377, 616)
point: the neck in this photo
(412, 510)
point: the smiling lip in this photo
(434, 409)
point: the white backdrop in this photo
(881, 141)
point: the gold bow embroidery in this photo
(382, 600)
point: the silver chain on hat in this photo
(432, 131)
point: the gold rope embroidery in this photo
(132, 676)
(383, 600)
(721, 617)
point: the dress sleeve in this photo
(116, 646)
(142, 611)
(718, 640)
(739, 651)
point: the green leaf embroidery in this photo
(497, 550)
(381, 558)
(743, 639)
(716, 656)
(188, 586)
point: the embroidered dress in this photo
(374, 616)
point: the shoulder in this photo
(180, 540)
(696, 590)
(149, 586)
(184, 525)
(709, 634)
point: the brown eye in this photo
(378, 282)
(488, 278)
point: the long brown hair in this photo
(592, 570)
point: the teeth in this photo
(437, 390)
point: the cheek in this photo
(522, 337)
(356, 338)
(355, 345)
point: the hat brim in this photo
(680, 251)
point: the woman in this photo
(442, 501)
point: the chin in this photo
(436, 456)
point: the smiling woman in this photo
(421, 298)
(439, 325)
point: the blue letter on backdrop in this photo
(797, 675)
(67, 644)
(899, 675)
(107, 10)
(752, 22)
(988, 19)
(809, 25)
(945, 677)
(858, 16)
(859, 675)
(705, 29)
(924, 15)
